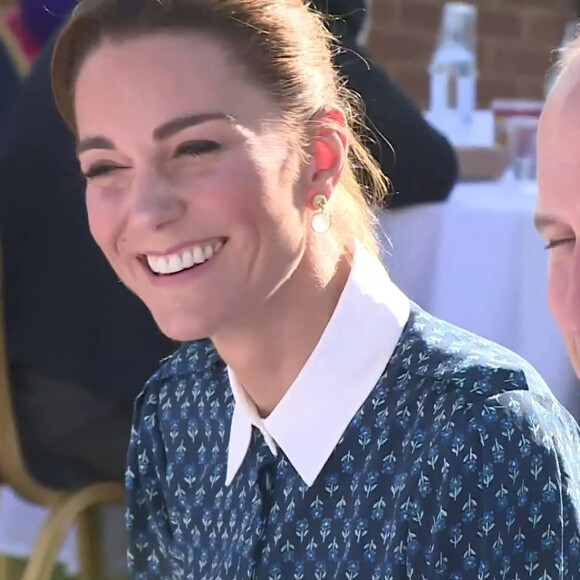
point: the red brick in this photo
(489, 89)
(378, 36)
(516, 39)
(486, 58)
(521, 62)
(555, 5)
(414, 82)
(403, 46)
(543, 28)
(385, 12)
(499, 23)
(420, 15)
(530, 88)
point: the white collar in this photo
(346, 364)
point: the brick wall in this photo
(515, 38)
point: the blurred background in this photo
(516, 40)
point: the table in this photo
(477, 261)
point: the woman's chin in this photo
(184, 330)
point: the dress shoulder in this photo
(458, 363)
(497, 486)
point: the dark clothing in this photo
(460, 464)
(70, 436)
(68, 318)
(348, 16)
(9, 81)
(418, 160)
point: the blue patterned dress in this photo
(460, 465)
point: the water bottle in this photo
(453, 70)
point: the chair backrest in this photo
(13, 470)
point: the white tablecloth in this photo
(477, 261)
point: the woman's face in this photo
(558, 207)
(194, 192)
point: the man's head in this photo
(558, 207)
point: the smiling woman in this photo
(315, 423)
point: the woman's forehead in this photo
(163, 77)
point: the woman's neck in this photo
(268, 351)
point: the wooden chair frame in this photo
(66, 507)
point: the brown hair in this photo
(283, 45)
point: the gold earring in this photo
(321, 219)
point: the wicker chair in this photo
(66, 507)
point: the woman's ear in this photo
(329, 151)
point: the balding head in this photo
(558, 207)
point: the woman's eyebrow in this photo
(174, 126)
(162, 132)
(94, 142)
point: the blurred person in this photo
(315, 423)
(26, 27)
(419, 161)
(24, 30)
(79, 345)
(14, 63)
(10, 80)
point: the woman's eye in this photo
(197, 148)
(555, 243)
(99, 170)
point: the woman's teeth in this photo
(173, 263)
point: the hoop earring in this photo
(321, 219)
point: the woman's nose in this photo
(155, 203)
